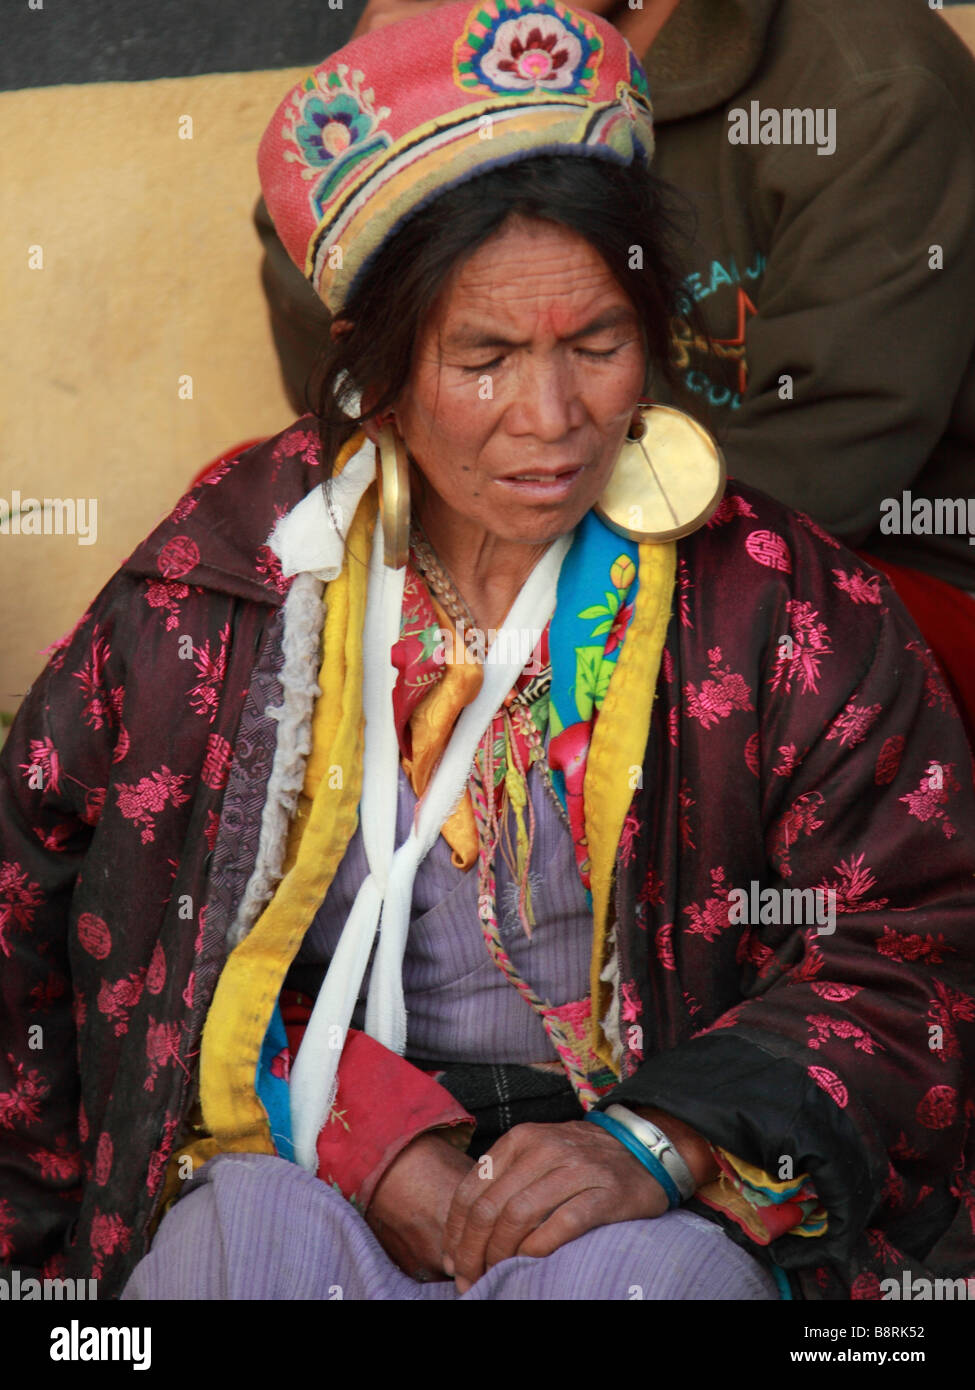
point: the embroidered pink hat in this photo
(403, 113)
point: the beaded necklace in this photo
(439, 580)
(512, 744)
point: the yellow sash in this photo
(327, 817)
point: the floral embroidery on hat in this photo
(504, 50)
(638, 79)
(335, 125)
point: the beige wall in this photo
(150, 271)
(962, 20)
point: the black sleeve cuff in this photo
(764, 1108)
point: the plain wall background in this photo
(150, 271)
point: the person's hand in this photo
(549, 1184)
(409, 1207)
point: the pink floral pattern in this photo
(20, 898)
(713, 918)
(810, 644)
(43, 758)
(685, 586)
(142, 802)
(46, 994)
(858, 587)
(913, 946)
(109, 1233)
(936, 692)
(789, 760)
(162, 1049)
(823, 1027)
(852, 726)
(948, 1007)
(685, 803)
(167, 596)
(631, 828)
(929, 800)
(853, 880)
(21, 1103)
(866, 1286)
(731, 506)
(103, 707)
(160, 1156)
(60, 1164)
(718, 697)
(211, 670)
(117, 999)
(800, 819)
(268, 566)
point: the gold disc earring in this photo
(394, 496)
(667, 481)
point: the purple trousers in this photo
(251, 1226)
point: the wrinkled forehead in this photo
(532, 279)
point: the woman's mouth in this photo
(541, 487)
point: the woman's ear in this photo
(374, 423)
(372, 426)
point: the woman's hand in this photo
(548, 1184)
(409, 1207)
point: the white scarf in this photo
(306, 540)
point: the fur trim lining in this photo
(611, 1019)
(304, 617)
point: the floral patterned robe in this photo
(801, 737)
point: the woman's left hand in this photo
(546, 1184)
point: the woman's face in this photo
(523, 386)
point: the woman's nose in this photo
(549, 402)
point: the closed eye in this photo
(484, 366)
(605, 352)
(592, 353)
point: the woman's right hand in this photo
(409, 1207)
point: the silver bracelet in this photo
(654, 1139)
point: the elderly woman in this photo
(467, 851)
